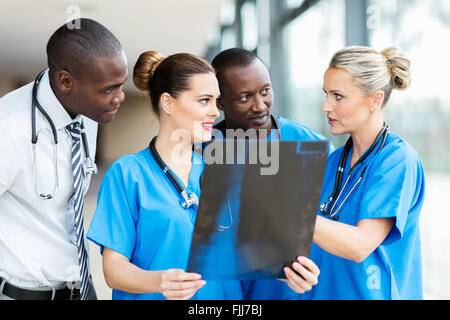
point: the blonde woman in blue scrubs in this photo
(367, 240)
(144, 232)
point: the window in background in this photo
(228, 39)
(227, 18)
(421, 114)
(227, 13)
(249, 26)
(294, 3)
(313, 38)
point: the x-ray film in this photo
(256, 213)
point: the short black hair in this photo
(76, 45)
(230, 58)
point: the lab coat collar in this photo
(52, 106)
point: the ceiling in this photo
(168, 26)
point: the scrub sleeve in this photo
(113, 224)
(391, 191)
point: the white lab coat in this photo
(37, 237)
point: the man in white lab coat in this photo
(43, 252)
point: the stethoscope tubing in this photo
(34, 138)
(35, 104)
(188, 199)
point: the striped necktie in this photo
(75, 132)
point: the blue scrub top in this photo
(139, 216)
(294, 131)
(272, 289)
(392, 186)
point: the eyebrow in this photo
(247, 91)
(112, 86)
(332, 91)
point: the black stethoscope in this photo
(188, 200)
(89, 165)
(337, 191)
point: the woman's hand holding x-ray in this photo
(176, 284)
(305, 276)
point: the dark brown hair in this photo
(155, 74)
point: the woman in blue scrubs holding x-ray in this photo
(147, 201)
(366, 239)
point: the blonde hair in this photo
(372, 70)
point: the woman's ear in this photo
(377, 100)
(166, 103)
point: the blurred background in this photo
(296, 39)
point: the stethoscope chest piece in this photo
(89, 167)
(324, 208)
(189, 200)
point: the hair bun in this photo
(145, 67)
(399, 66)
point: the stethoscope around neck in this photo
(89, 165)
(188, 199)
(328, 208)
